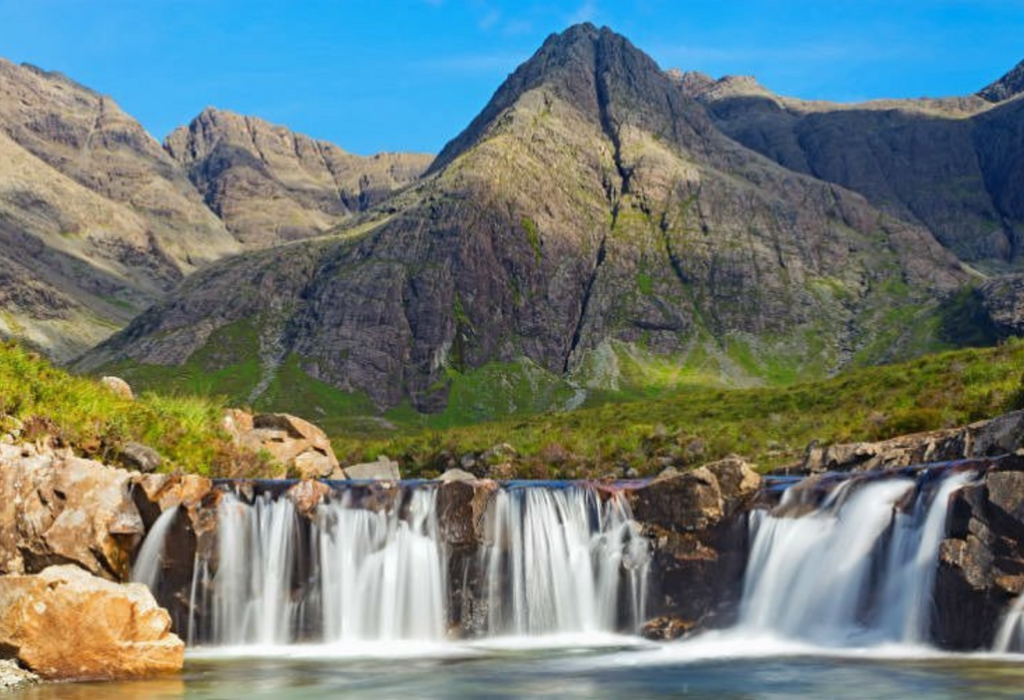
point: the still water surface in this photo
(720, 666)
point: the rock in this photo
(119, 387)
(737, 480)
(461, 506)
(142, 458)
(56, 508)
(665, 628)
(456, 475)
(383, 469)
(502, 452)
(14, 676)
(313, 465)
(307, 495)
(65, 624)
(299, 448)
(684, 502)
(998, 436)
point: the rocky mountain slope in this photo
(98, 221)
(953, 165)
(270, 185)
(592, 226)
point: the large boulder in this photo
(299, 448)
(64, 623)
(56, 508)
(681, 502)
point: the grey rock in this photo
(383, 469)
(140, 457)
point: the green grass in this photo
(83, 414)
(771, 425)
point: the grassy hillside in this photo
(38, 400)
(688, 426)
(772, 426)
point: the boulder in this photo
(383, 469)
(64, 623)
(461, 506)
(139, 457)
(56, 508)
(307, 495)
(119, 387)
(681, 502)
(299, 448)
(737, 480)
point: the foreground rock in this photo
(987, 438)
(56, 508)
(66, 624)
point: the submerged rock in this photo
(64, 623)
(665, 628)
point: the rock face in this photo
(271, 185)
(981, 563)
(698, 532)
(96, 220)
(952, 165)
(1003, 301)
(65, 624)
(592, 208)
(57, 508)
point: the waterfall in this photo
(1010, 636)
(149, 562)
(561, 560)
(368, 564)
(860, 568)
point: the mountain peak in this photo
(598, 71)
(1010, 85)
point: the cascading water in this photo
(1010, 636)
(856, 570)
(150, 560)
(561, 560)
(368, 564)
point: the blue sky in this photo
(409, 74)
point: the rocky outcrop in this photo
(696, 524)
(981, 562)
(298, 448)
(987, 438)
(56, 508)
(64, 624)
(1003, 301)
(271, 185)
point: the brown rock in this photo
(461, 506)
(307, 495)
(65, 624)
(736, 478)
(666, 628)
(312, 464)
(685, 502)
(56, 508)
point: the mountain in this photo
(96, 220)
(592, 228)
(270, 185)
(952, 165)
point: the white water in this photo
(1010, 636)
(561, 560)
(825, 577)
(381, 577)
(150, 560)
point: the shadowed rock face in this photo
(591, 202)
(953, 164)
(271, 185)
